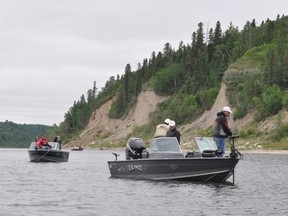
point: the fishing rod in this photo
(116, 155)
(234, 154)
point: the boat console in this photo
(165, 147)
(206, 148)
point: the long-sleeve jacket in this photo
(161, 130)
(221, 128)
(174, 133)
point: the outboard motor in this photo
(135, 149)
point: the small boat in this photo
(166, 161)
(46, 154)
(77, 148)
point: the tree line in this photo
(192, 75)
(14, 135)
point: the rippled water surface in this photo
(83, 187)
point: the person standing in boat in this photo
(222, 130)
(161, 129)
(58, 140)
(173, 132)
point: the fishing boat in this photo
(77, 148)
(50, 153)
(165, 160)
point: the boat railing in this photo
(54, 146)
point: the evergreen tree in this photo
(211, 45)
(284, 70)
(269, 31)
(126, 85)
(217, 39)
(200, 66)
(168, 55)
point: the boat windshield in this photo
(206, 143)
(54, 145)
(165, 144)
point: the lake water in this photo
(83, 187)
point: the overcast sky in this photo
(51, 51)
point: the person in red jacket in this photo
(43, 142)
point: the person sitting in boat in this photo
(36, 143)
(43, 142)
(161, 129)
(58, 140)
(173, 132)
(78, 147)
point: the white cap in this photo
(167, 121)
(172, 123)
(227, 109)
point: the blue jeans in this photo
(220, 142)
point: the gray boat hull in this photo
(186, 169)
(45, 154)
(48, 155)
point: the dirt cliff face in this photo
(101, 125)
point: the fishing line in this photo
(266, 174)
(260, 167)
(39, 158)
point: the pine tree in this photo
(126, 85)
(217, 39)
(168, 54)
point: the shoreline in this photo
(262, 151)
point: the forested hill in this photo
(251, 61)
(14, 135)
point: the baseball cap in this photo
(227, 109)
(172, 123)
(167, 121)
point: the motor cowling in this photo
(135, 149)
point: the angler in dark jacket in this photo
(173, 132)
(221, 129)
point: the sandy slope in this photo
(100, 125)
(109, 130)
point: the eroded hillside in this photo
(108, 130)
(100, 125)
